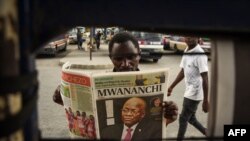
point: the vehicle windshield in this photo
(74, 30)
(147, 36)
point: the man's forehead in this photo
(131, 106)
(134, 101)
(124, 50)
(120, 54)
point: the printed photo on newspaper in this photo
(120, 106)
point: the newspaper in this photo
(101, 105)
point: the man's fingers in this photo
(172, 117)
(171, 113)
(170, 105)
(167, 103)
(205, 110)
(170, 110)
(168, 94)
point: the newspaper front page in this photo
(130, 99)
(103, 105)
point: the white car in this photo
(205, 44)
(177, 43)
(54, 46)
(150, 44)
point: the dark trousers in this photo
(98, 44)
(79, 44)
(188, 116)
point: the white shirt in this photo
(193, 65)
(124, 132)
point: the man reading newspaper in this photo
(124, 53)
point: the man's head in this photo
(191, 42)
(133, 111)
(124, 52)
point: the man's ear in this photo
(143, 115)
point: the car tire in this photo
(65, 47)
(55, 52)
(166, 47)
(155, 60)
(53, 55)
(176, 49)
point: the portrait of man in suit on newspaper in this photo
(134, 125)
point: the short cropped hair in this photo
(123, 37)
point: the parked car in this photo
(177, 43)
(54, 46)
(150, 44)
(205, 44)
(72, 34)
(165, 41)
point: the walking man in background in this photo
(98, 39)
(195, 70)
(79, 39)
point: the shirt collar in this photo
(133, 127)
(193, 49)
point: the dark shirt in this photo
(79, 36)
(98, 36)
